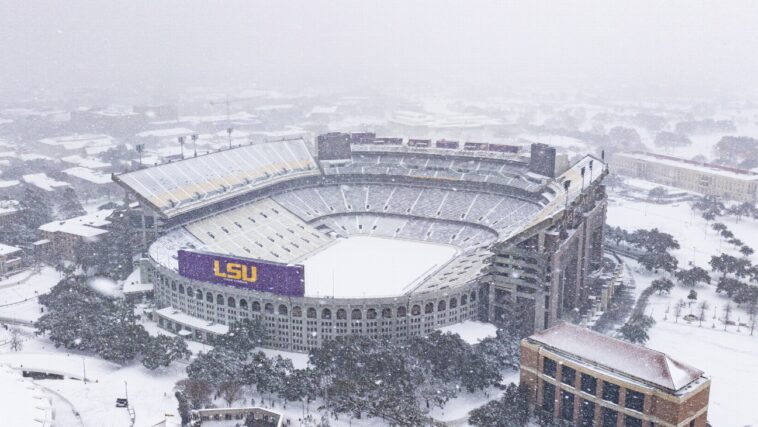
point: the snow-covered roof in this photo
(191, 321)
(166, 133)
(44, 182)
(9, 206)
(619, 356)
(28, 157)
(77, 142)
(727, 172)
(83, 226)
(7, 250)
(9, 183)
(87, 162)
(88, 174)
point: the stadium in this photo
(355, 234)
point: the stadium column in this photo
(144, 229)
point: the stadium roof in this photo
(620, 356)
(178, 187)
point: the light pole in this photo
(140, 148)
(229, 133)
(181, 145)
(194, 143)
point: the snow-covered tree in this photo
(662, 285)
(691, 277)
(511, 410)
(635, 329)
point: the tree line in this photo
(354, 376)
(78, 318)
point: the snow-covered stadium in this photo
(356, 234)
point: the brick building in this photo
(60, 238)
(10, 259)
(590, 379)
(10, 212)
(709, 179)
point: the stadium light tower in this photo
(194, 143)
(229, 133)
(140, 148)
(181, 145)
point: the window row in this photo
(587, 383)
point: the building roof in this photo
(9, 207)
(620, 356)
(83, 226)
(88, 174)
(7, 250)
(77, 142)
(44, 182)
(709, 168)
(166, 133)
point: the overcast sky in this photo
(143, 46)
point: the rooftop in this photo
(710, 168)
(77, 142)
(44, 182)
(646, 364)
(83, 226)
(7, 250)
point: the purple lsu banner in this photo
(245, 273)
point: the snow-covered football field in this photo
(369, 266)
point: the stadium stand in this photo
(177, 187)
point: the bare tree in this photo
(197, 391)
(678, 310)
(16, 341)
(703, 307)
(727, 314)
(230, 391)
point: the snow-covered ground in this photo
(368, 266)
(19, 292)
(471, 331)
(149, 392)
(728, 357)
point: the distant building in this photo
(120, 122)
(590, 379)
(89, 144)
(10, 259)
(10, 212)
(705, 178)
(62, 237)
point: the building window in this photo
(548, 367)
(634, 400)
(610, 392)
(587, 414)
(568, 376)
(609, 417)
(548, 397)
(589, 384)
(567, 405)
(630, 421)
